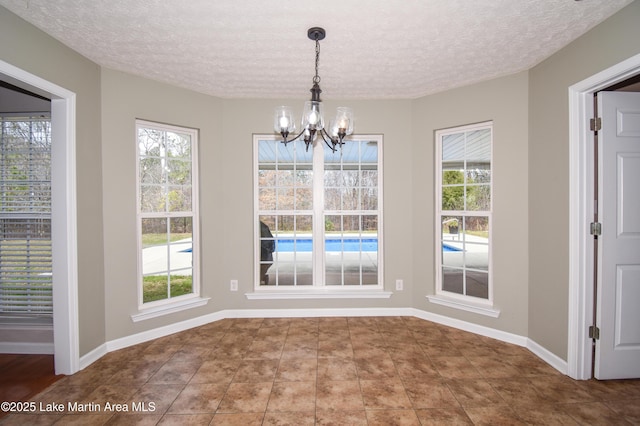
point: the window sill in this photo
(464, 305)
(318, 294)
(158, 311)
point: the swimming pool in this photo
(305, 245)
(350, 244)
(347, 244)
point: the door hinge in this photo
(595, 228)
(595, 124)
(594, 332)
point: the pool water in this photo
(348, 244)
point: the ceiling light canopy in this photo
(312, 116)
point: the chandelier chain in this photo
(316, 78)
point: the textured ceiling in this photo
(374, 49)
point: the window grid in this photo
(334, 254)
(167, 213)
(463, 216)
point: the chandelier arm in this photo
(323, 132)
(285, 141)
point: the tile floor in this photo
(329, 371)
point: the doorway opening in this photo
(63, 213)
(582, 210)
(26, 305)
(631, 84)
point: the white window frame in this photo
(447, 298)
(173, 304)
(319, 289)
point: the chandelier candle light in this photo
(312, 118)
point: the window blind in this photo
(25, 217)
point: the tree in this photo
(453, 190)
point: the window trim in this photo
(443, 297)
(319, 290)
(187, 301)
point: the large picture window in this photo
(463, 211)
(25, 217)
(318, 214)
(167, 213)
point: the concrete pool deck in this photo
(154, 259)
(476, 256)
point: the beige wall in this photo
(226, 194)
(530, 114)
(505, 101)
(390, 118)
(226, 177)
(606, 45)
(33, 51)
(226, 185)
(124, 99)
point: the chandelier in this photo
(312, 118)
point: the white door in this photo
(618, 298)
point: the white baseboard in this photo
(548, 357)
(471, 327)
(26, 348)
(301, 313)
(145, 336)
(93, 356)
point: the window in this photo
(25, 217)
(463, 212)
(167, 213)
(318, 214)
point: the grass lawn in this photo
(149, 240)
(154, 287)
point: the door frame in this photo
(581, 212)
(63, 216)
